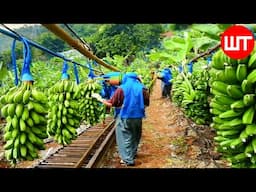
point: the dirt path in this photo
(169, 140)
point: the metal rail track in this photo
(84, 152)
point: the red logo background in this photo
(238, 30)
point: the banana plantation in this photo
(44, 96)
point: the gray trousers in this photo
(128, 135)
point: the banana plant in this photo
(175, 49)
(212, 31)
(183, 46)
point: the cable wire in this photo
(12, 31)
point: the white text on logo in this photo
(234, 44)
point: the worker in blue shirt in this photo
(165, 76)
(132, 98)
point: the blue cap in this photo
(127, 75)
(110, 74)
(64, 76)
(27, 77)
(131, 74)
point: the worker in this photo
(110, 83)
(131, 97)
(165, 76)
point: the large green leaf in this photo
(161, 55)
(188, 43)
(203, 43)
(211, 30)
(175, 43)
(178, 46)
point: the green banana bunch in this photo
(177, 89)
(63, 116)
(90, 109)
(233, 107)
(191, 93)
(25, 110)
(198, 110)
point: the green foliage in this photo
(169, 27)
(185, 45)
(32, 32)
(175, 49)
(200, 65)
(162, 56)
(3, 71)
(116, 60)
(85, 30)
(125, 39)
(5, 56)
(175, 27)
(7, 82)
(211, 30)
(201, 44)
(46, 74)
(52, 42)
(182, 27)
(143, 68)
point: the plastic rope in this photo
(26, 75)
(209, 59)
(64, 74)
(180, 68)
(95, 63)
(14, 65)
(76, 74)
(91, 74)
(190, 67)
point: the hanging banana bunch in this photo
(25, 109)
(190, 91)
(90, 109)
(177, 89)
(63, 116)
(195, 100)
